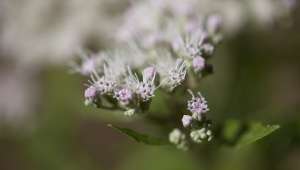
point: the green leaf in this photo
(255, 132)
(139, 137)
(231, 130)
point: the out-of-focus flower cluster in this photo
(153, 21)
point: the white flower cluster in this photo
(126, 78)
(165, 15)
(160, 50)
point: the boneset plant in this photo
(168, 53)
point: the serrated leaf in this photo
(139, 137)
(255, 132)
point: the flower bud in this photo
(198, 63)
(214, 23)
(186, 120)
(208, 48)
(90, 92)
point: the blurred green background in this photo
(257, 77)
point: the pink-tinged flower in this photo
(104, 86)
(90, 92)
(177, 74)
(208, 49)
(198, 63)
(124, 96)
(197, 105)
(149, 73)
(146, 90)
(186, 120)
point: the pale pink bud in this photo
(214, 23)
(90, 92)
(186, 120)
(149, 73)
(198, 63)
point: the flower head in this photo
(172, 72)
(177, 74)
(102, 84)
(105, 86)
(123, 95)
(197, 105)
(145, 89)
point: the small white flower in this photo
(172, 72)
(190, 44)
(102, 84)
(177, 74)
(145, 89)
(105, 86)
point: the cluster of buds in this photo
(200, 135)
(178, 138)
(196, 124)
